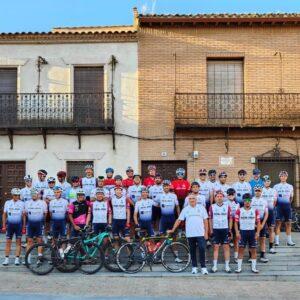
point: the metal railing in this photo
(249, 109)
(56, 110)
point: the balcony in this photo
(56, 111)
(237, 110)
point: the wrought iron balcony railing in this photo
(255, 109)
(56, 110)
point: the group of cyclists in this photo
(209, 210)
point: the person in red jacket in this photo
(127, 182)
(109, 181)
(181, 186)
(150, 180)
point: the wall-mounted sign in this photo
(226, 161)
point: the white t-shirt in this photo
(144, 209)
(35, 210)
(200, 200)
(241, 188)
(270, 195)
(194, 217)
(284, 193)
(167, 203)
(100, 211)
(14, 211)
(25, 193)
(40, 185)
(58, 208)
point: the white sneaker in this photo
(254, 270)
(178, 260)
(204, 271)
(291, 243)
(194, 270)
(238, 270)
(264, 259)
(276, 244)
(214, 269)
(227, 270)
(6, 261)
(17, 261)
(272, 251)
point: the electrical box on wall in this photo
(195, 154)
(253, 160)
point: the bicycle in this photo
(174, 256)
(295, 221)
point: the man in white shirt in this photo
(62, 182)
(26, 191)
(222, 185)
(205, 188)
(196, 228)
(41, 184)
(242, 187)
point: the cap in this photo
(75, 179)
(283, 173)
(212, 171)
(118, 177)
(242, 172)
(109, 170)
(44, 172)
(16, 191)
(129, 169)
(180, 171)
(256, 171)
(195, 183)
(27, 178)
(151, 167)
(223, 174)
(202, 171)
(219, 192)
(100, 191)
(266, 178)
(247, 197)
(61, 174)
(80, 192)
(57, 188)
(100, 177)
(51, 179)
(230, 191)
(166, 182)
(34, 191)
(257, 188)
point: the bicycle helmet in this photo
(80, 192)
(51, 179)
(180, 172)
(89, 166)
(57, 188)
(27, 178)
(109, 170)
(16, 191)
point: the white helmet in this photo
(16, 191)
(27, 178)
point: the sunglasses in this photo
(202, 174)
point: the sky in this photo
(42, 15)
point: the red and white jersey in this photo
(220, 215)
(181, 188)
(234, 206)
(119, 207)
(127, 182)
(270, 196)
(148, 181)
(205, 189)
(247, 218)
(261, 205)
(88, 184)
(100, 211)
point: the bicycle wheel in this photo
(67, 264)
(176, 257)
(110, 257)
(38, 259)
(131, 258)
(89, 258)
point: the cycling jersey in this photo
(14, 211)
(181, 188)
(270, 196)
(167, 203)
(127, 182)
(205, 189)
(134, 192)
(241, 188)
(25, 194)
(155, 190)
(109, 183)
(144, 209)
(40, 185)
(200, 200)
(254, 182)
(119, 207)
(36, 210)
(112, 193)
(88, 184)
(72, 194)
(79, 211)
(218, 186)
(220, 215)
(247, 218)
(260, 205)
(66, 186)
(234, 206)
(285, 192)
(58, 209)
(100, 211)
(148, 181)
(48, 194)
(212, 184)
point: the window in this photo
(225, 87)
(8, 80)
(76, 168)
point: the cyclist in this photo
(100, 184)
(212, 180)
(101, 212)
(66, 186)
(13, 220)
(134, 191)
(48, 194)
(154, 191)
(118, 182)
(26, 191)
(88, 183)
(246, 218)
(35, 211)
(270, 196)
(150, 180)
(241, 187)
(167, 202)
(58, 209)
(181, 186)
(285, 194)
(256, 180)
(220, 222)
(120, 214)
(79, 213)
(41, 184)
(260, 204)
(127, 182)
(234, 206)
(205, 188)
(222, 185)
(195, 190)
(196, 228)
(72, 194)
(109, 181)
(143, 212)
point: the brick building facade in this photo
(223, 85)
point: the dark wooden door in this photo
(89, 97)
(8, 96)
(167, 168)
(76, 168)
(11, 175)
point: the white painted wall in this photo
(57, 77)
